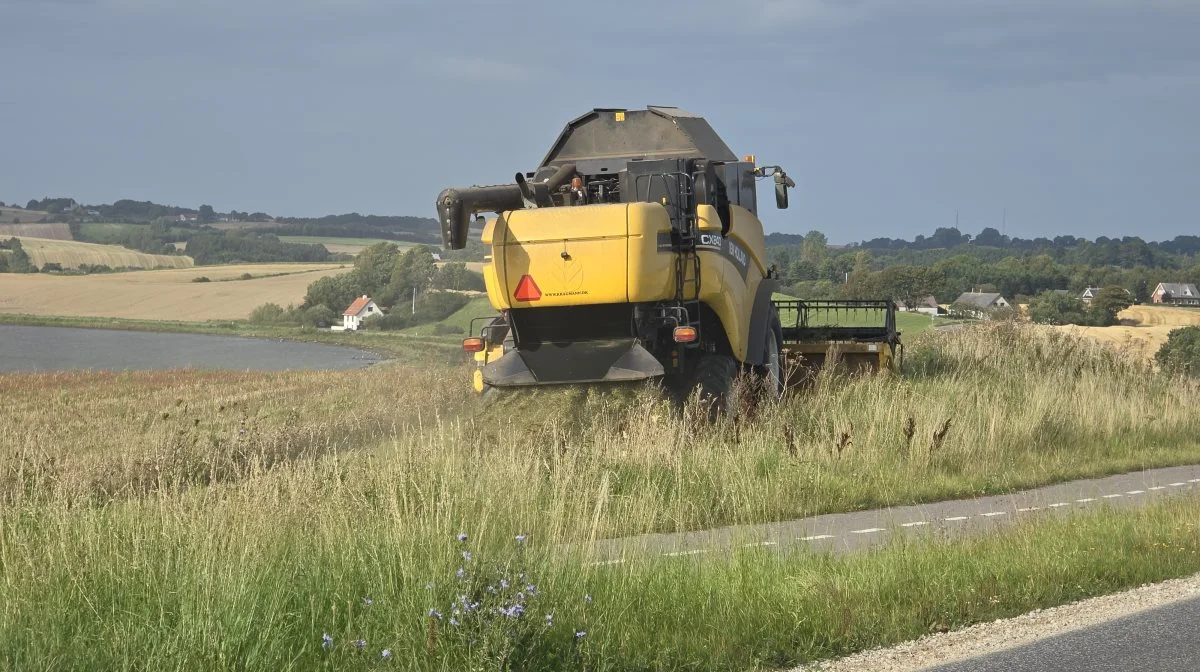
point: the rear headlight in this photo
(473, 344)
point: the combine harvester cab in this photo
(634, 251)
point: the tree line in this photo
(408, 284)
(1018, 269)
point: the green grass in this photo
(330, 240)
(216, 520)
(478, 307)
(109, 233)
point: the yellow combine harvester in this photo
(635, 251)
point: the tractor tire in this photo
(772, 371)
(714, 374)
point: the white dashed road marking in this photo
(1194, 480)
(815, 537)
(691, 552)
(1029, 508)
(1113, 496)
(955, 518)
(1158, 487)
(915, 523)
(1058, 504)
(1178, 485)
(1085, 500)
(869, 530)
(1135, 492)
(761, 543)
(990, 514)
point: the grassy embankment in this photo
(219, 520)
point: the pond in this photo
(30, 349)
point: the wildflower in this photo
(461, 573)
(385, 654)
(531, 589)
(503, 584)
(520, 596)
(491, 589)
(326, 640)
(587, 598)
(580, 634)
(467, 556)
(462, 537)
(520, 538)
(429, 586)
(434, 613)
(360, 643)
(453, 621)
(549, 619)
(368, 601)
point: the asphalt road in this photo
(1166, 639)
(847, 532)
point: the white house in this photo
(362, 308)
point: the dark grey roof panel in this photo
(653, 133)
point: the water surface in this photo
(67, 348)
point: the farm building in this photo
(1176, 294)
(927, 306)
(362, 308)
(979, 304)
(1089, 293)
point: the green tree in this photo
(1107, 303)
(1180, 355)
(814, 248)
(455, 275)
(1054, 308)
(207, 216)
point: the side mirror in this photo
(782, 182)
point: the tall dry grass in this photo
(217, 520)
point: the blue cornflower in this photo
(467, 556)
(326, 640)
(368, 601)
(531, 589)
(385, 654)
(587, 598)
(360, 643)
(549, 619)
(453, 621)
(434, 613)
(460, 573)
(462, 537)
(503, 584)
(580, 634)
(520, 538)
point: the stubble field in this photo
(71, 254)
(168, 294)
(1153, 325)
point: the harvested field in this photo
(1154, 324)
(163, 294)
(49, 230)
(72, 254)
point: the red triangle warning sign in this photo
(527, 290)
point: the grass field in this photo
(1153, 325)
(52, 231)
(341, 245)
(162, 294)
(71, 254)
(7, 215)
(228, 520)
(479, 307)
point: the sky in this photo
(894, 117)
